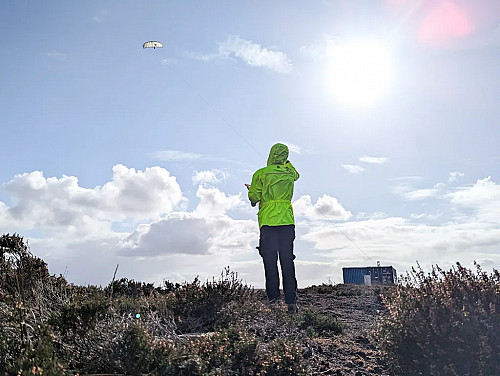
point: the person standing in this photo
(272, 189)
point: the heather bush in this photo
(19, 269)
(231, 351)
(125, 287)
(196, 306)
(80, 316)
(317, 323)
(443, 323)
(26, 340)
(135, 351)
(219, 327)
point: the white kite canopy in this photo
(152, 44)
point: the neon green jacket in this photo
(272, 188)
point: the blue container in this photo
(371, 275)
(354, 276)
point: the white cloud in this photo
(190, 234)
(420, 194)
(54, 203)
(353, 169)
(322, 50)
(472, 232)
(169, 61)
(374, 160)
(176, 155)
(483, 198)
(255, 55)
(408, 192)
(76, 230)
(364, 215)
(455, 176)
(208, 229)
(185, 156)
(427, 216)
(210, 177)
(483, 192)
(177, 234)
(325, 208)
(214, 202)
(293, 148)
(406, 179)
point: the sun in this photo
(360, 73)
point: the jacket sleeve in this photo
(294, 171)
(255, 191)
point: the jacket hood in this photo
(278, 154)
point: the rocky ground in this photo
(352, 352)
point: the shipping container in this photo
(370, 275)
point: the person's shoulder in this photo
(261, 170)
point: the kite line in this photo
(228, 124)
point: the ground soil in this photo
(353, 352)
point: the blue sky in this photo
(115, 154)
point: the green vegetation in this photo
(443, 323)
(316, 323)
(219, 327)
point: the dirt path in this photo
(352, 352)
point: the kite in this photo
(152, 44)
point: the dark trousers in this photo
(274, 242)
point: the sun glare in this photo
(360, 73)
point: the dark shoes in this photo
(276, 304)
(292, 309)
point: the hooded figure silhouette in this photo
(272, 189)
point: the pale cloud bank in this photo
(293, 148)
(483, 198)
(325, 208)
(374, 160)
(176, 155)
(353, 169)
(212, 177)
(137, 220)
(250, 53)
(455, 176)
(186, 156)
(134, 219)
(323, 49)
(255, 55)
(214, 202)
(60, 202)
(405, 190)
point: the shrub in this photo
(443, 323)
(219, 327)
(80, 316)
(129, 288)
(135, 351)
(19, 269)
(232, 351)
(26, 341)
(316, 323)
(26, 348)
(283, 358)
(196, 306)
